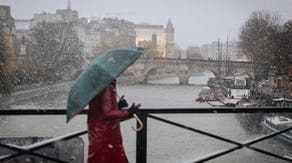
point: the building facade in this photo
(64, 15)
(7, 21)
(99, 35)
(95, 34)
(169, 40)
(90, 34)
(118, 32)
(157, 38)
(22, 37)
(222, 51)
(194, 52)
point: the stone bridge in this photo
(184, 68)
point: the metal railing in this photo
(141, 141)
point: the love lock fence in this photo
(141, 142)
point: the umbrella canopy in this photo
(97, 76)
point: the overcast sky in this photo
(195, 21)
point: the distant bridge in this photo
(184, 68)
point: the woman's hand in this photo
(133, 109)
(122, 103)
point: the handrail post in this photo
(141, 140)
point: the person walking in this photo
(103, 122)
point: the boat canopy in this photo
(282, 99)
(280, 120)
(206, 88)
(230, 101)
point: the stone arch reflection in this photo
(161, 75)
(201, 78)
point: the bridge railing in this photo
(141, 141)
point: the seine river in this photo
(166, 143)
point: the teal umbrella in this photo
(97, 76)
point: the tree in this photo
(57, 47)
(254, 40)
(283, 61)
(29, 72)
(7, 64)
(279, 48)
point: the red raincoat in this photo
(105, 139)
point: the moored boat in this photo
(276, 123)
(282, 102)
(216, 103)
(206, 95)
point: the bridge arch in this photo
(200, 78)
(249, 74)
(215, 73)
(127, 76)
(167, 69)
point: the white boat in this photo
(206, 89)
(282, 102)
(230, 102)
(215, 103)
(276, 123)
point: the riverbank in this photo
(33, 91)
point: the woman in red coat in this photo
(105, 139)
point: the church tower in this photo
(169, 40)
(68, 15)
(69, 5)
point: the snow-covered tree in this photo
(254, 38)
(7, 63)
(57, 46)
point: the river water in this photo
(166, 143)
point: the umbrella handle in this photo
(140, 124)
